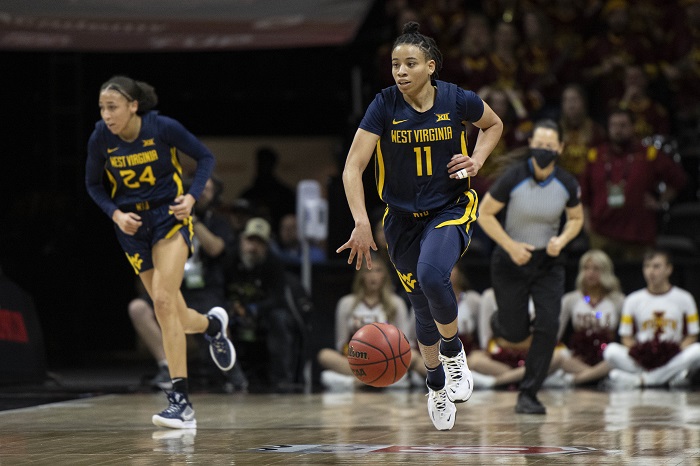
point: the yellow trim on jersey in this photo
(113, 182)
(627, 319)
(380, 170)
(177, 176)
(469, 212)
(691, 318)
(465, 151)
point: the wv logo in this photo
(442, 117)
(407, 280)
(151, 142)
(135, 262)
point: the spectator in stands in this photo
(471, 68)
(504, 56)
(581, 132)
(681, 67)
(266, 333)
(270, 196)
(619, 190)
(541, 64)
(650, 117)
(517, 127)
(659, 331)
(372, 300)
(606, 55)
(288, 246)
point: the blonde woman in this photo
(372, 300)
(589, 318)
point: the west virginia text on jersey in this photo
(414, 148)
(146, 169)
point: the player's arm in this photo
(520, 253)
(490, 130)
(361, 239)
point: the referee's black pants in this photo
(543, 279)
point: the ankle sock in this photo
(436, 377)
(180, 385)
(214, 326)
(450, 347)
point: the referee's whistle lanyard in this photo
(616, 191)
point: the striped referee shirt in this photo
(533, 209)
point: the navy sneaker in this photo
(220, 347)
(179, 415)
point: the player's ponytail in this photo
(410, 35)
(140, 91)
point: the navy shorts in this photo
(405, 234)
(158, 224)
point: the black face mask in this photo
(543, 157)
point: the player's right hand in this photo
(128, 222)
(360, 242)
(521, 253)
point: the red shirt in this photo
(641, 168)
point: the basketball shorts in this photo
(157, 224)
(405, 234)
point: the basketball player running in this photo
(416, 130)
(137, 149)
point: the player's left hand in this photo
(183, 206)
(462, 162)
(555, 245)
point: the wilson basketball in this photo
(379, 354)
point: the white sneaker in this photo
(440, 409)
(337, 382)
(624, 380)
(459, 382)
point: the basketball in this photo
(379, 354)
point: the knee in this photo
(139, 310)
(614, 352)
(431, 280)
(163, 304)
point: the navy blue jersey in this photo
(147, 169)
(414, 148)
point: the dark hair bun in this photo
(410, 28)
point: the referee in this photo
(533, 195)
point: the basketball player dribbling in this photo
(416, 130)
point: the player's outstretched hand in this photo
(128, 222)
(183, 206)
(360, 242)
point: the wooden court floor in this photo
(638, 427)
